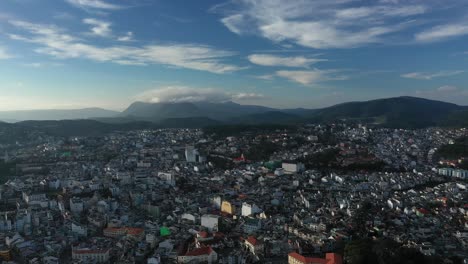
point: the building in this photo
(330, 258)
(5, 253)
(456, 173)
(228, 208)
(252, 225)
(293, 167)
(191, 154)
(250, 209)
(168, 178)
(76, 205)
(211, 222)
(87, 255)
(254, 245)
(79, 230)
(116, 232)
(199, 255)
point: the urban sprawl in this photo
(325, 194)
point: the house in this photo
(330, 258)
(254, 245)
(199, 255)
(87, 255)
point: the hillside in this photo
(406, 112)
(218, 111)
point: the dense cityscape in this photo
(331, 194)
(233, 131)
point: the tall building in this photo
(191, 154)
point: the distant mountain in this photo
(405, 111)
(55, 114)
(156, 112)
(398, 112)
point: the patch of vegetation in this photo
(321, 159)
(6, 170)
(236, 130)
(454, 151)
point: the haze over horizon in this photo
(68, 54)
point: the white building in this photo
(210, 221)
(191, 154)
(293, 167)
(250, 209)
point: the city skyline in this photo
(312, 54)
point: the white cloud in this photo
(179, 94)
(127, 37)
(320, 23)
(442, 32)
(247, 96)
(273, 60)
(430, 76)
(4, 54)
(55, 42)
(97, 4)
(310, 76)
(99, 27)
(267, 77)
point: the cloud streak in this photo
(54, 41)
(273, 60)
(310, 76)
(430, 76)
(443, 32)
(95, 4)
(184, 94)
(320, 24)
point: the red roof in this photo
(331, 258)
(200, 251)
(423, 211)
(253, 241)
(307, 260)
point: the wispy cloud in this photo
(4, 54)
(443, 32)
(96, 4)
(273, 60)
(127, 37)
(430, 76)
(55, 42)
(320, 23)
(311, 76)
(179, 94)
(99, 27)
(267, 77)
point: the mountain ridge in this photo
(404, 112)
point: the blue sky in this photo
(295, 53)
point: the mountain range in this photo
(404, 112)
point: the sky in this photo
(298, 53)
